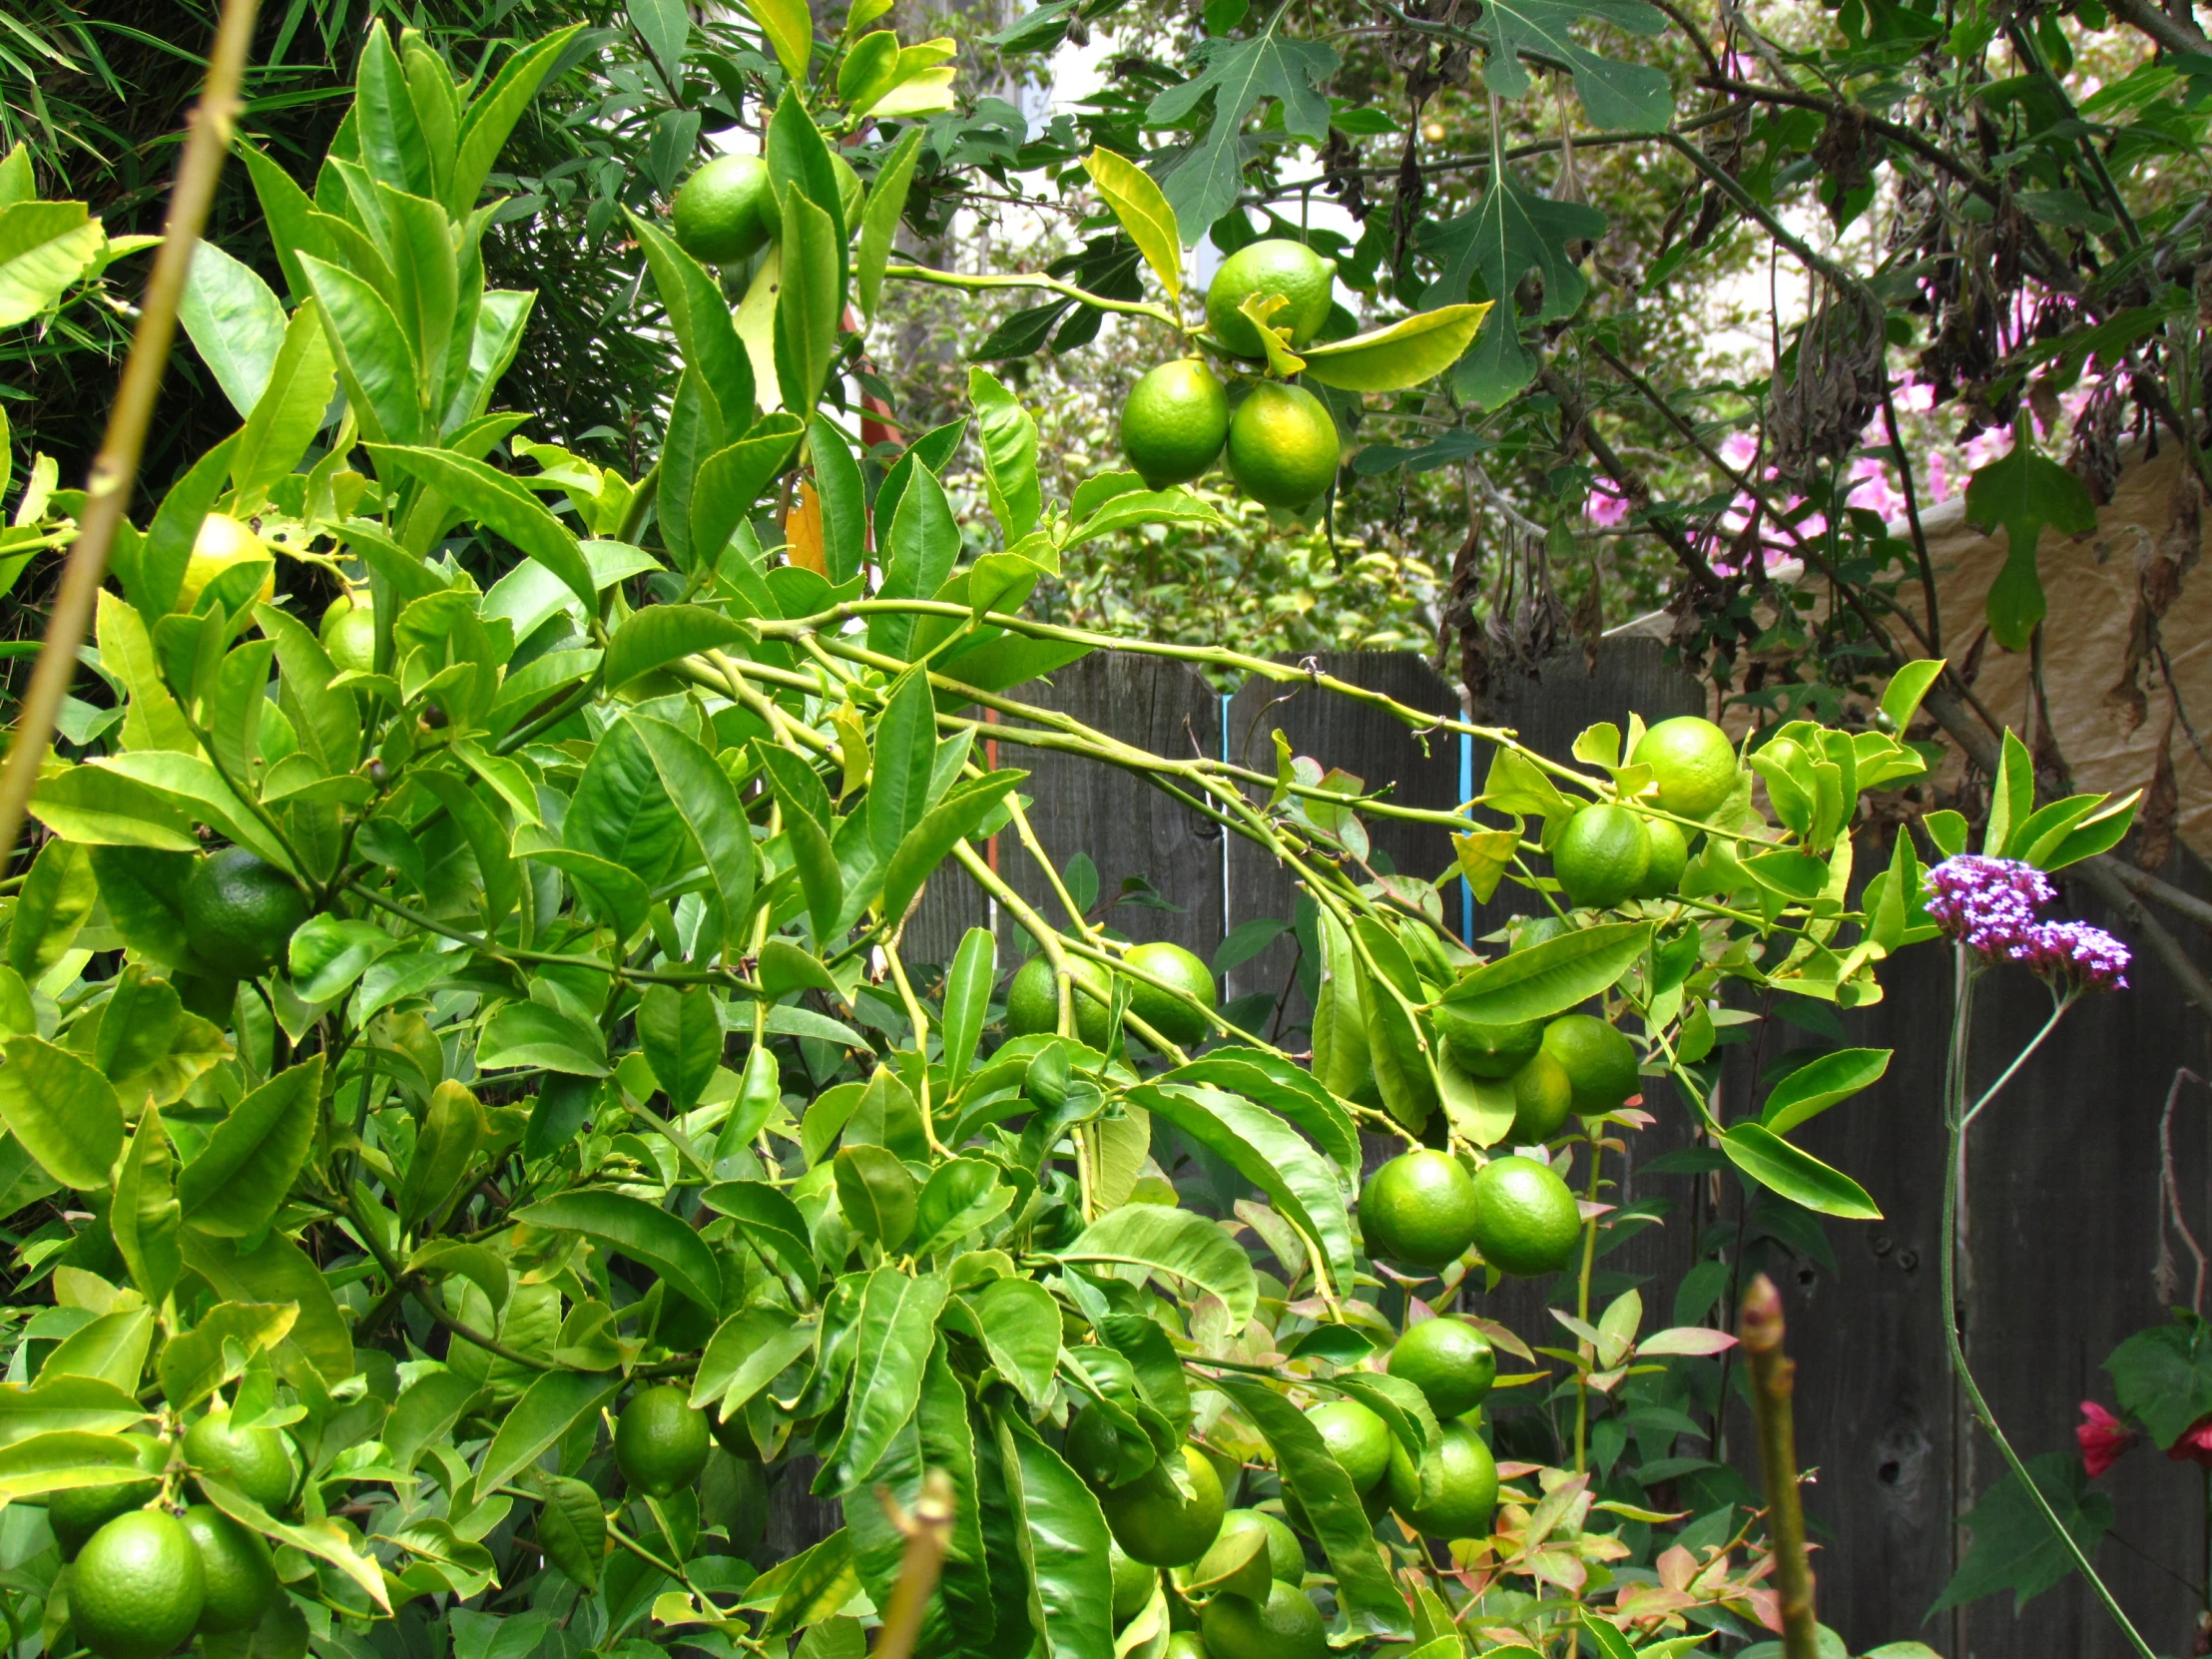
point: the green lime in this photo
(237, 1568)
(1691, 762)
(137, 1588)
(1161, 1523)
(1283, 446)
(1174, 423)
(1670, 857)
(1419, 1209)
(660, 1442)
(1487, 1050)
(1357, 1438)
(1169, 1016)
(1134, 1583)
(76, 1515)
(1600, 1062)
(1290, 269)
(1285, 1556)
(1466, 1489)
(1450, 1362)
(253, 1463)
(733, 1494)
(239, 911)
(350, 635)
(734, 1436)
(221, 543)
(1285, 1626)
(726, 211)
(1543, 1096)
(1602, 855)
(1033, 1000)
(1526, 1221)
(1185, 1645)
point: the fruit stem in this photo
(1773, 1382)
(1582, 1311)
(1024, 279)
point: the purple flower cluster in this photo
(1990, 905)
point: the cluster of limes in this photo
(1610, 854)
(1282, 440)
(1033, 995)
(1237, 1575)
(142, 1576)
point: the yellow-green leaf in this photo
(1403, 354)
(1144, 213)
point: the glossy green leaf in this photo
(233, 1188)
(732, 480)
(493, 114)
(63, 1111)
(791, 32)
(772, 1225)
(877, 1194)
(1063, 1543)
(445, 1148)
(1819, 1084)
(952, 821)
(547, 1411)
(276, 1272)
(891, 1342)
(968, 995)
(65, 1459)
(572, 1528)
(1010, 442)
(807, 303)
(1144, 213)
(1154, 1238)
(288, 413)
(642, 1232)
(1020, 1322)
(1551, 978)
(880, 222)
(680, 1033)
(375, 363)
(748, 1352)
(504, 505)
(56, 896)
(1796, 1173)
(234, 324)
(1402, 354)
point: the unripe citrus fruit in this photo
(1283, 445)
(1033, 1000)
(221, 542)
(1450, 1362)
(75, 1515)
(1357, 1438)
(1174, 423)
(1161, 1523)
(1134, 1583)
(1526, 1221)
(1285, 1556)
(1285, 1626)
(1599, 1061)
(1171, 1016)
(239, 911)
(236, 1567)
(253, 1463)
(1277, 266)
(1602, 855)
(137, 1588)
(660, 1442)
(1543, 1096)
(1185, 1645)
(350, 635)
(1670, 857)
(1465, 1495)
(1419, 1209)
(726, 211)
(1487, 1050)
(1691, 762)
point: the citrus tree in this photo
(474, 1123)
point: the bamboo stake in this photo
(115, 468)
(926, 1531)
(1773, 1381)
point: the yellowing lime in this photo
(1277, 266)
(236, 1570)
(660, 1442)
(1134, 1583)
(1285, 1556)
(1691, 762)
(1285, 1626)
(350, 635)
(253, 1462)
(1174, 423)
(221, 543)
(1283, 446)
(1357, 1438)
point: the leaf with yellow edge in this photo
(326, 1539)
(1483, 857)
(789, 28)
(1259, 309)
(1403, 354)
(1144, 213)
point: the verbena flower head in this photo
(2073, 954)
(1988, 904)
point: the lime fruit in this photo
(1691, 762)
(238, 910)
(1174, 423)
(1543, 1096)
(1285, 1556)
(1487, 1050)
(734, 1436)
(1277, 266)
(1357, 1438)
(137, 1588)
(1602, 855)
(1033, 1000)
(1670, 857)
(1134, 1583)
(1526, 1221)
(350, 635)
(660, 1442)
(1419, 1209)
(725, 211)
(1599, 1061)
(1169, 1016)
(234, 1565)
(221, 543)
(1465, 1491)
(1283, 445)
(1160, 1523)
(1285, 1626)
(77, 1514)
(1185, 1645)
(253, 1463)
(1451, 1364)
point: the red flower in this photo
(2195, 1446)
(2103, 1438)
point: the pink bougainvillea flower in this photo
(2102, 1436)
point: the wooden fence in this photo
(2064, 1219)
